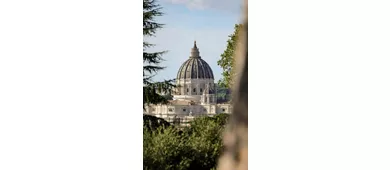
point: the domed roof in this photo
(195, 67)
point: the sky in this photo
(209, 22)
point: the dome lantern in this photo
(195, 51)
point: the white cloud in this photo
(225, 5)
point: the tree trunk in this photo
(235, 156)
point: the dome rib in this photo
(195, 68)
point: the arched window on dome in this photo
(187, 90)
(201, 90)
(194, 90)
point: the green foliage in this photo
(197, 147)
(152, 59)
(227, 59)
(222, 119)
(163, 149)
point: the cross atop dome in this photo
(195, 44)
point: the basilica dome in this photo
(195, 67)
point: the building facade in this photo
(196, 92)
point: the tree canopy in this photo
(195, 147)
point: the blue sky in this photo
(209, 22)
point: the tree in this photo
(227, 59)
(152, 90)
